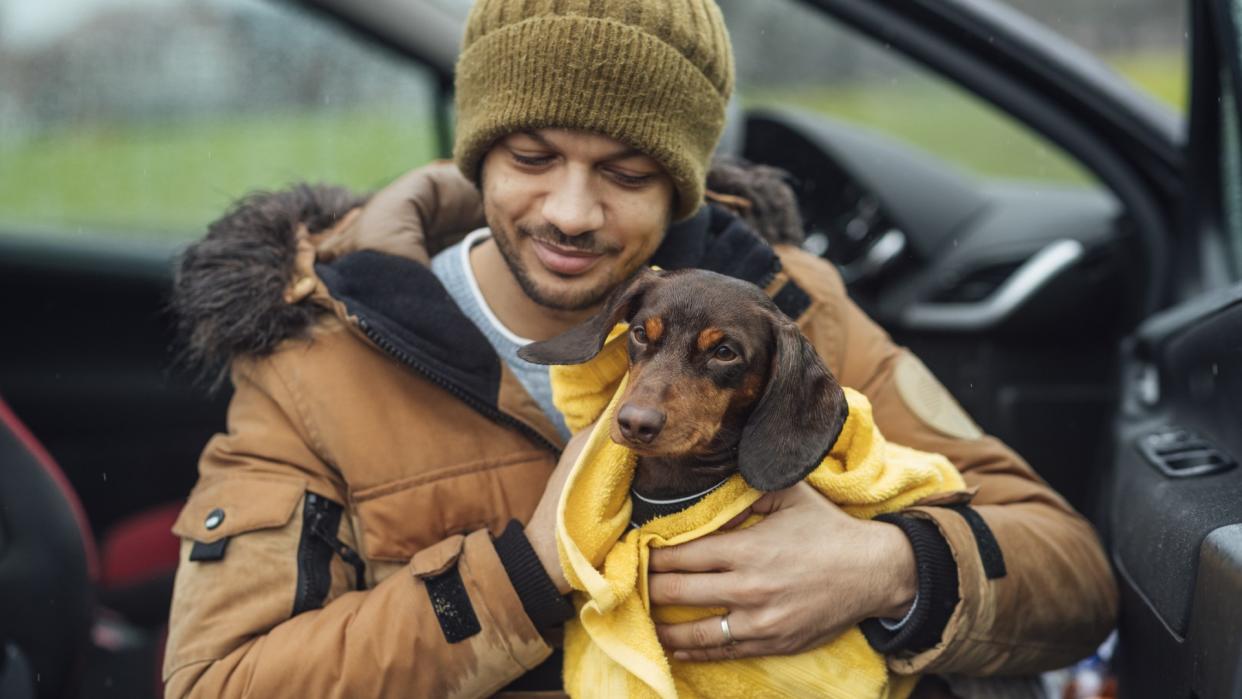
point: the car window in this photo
(1231, 152)
(145, 119)
(821, 65)
(1143, 40)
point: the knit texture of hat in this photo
(652, 74)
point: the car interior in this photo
(1095, 327)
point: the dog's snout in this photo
(640, 424)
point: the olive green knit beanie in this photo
(652, 74)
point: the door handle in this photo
(1024, 283)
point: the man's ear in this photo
(582, 342)
(796, 421)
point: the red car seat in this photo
(48, 565)
(69, 623)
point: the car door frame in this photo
(1173, 493)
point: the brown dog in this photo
(719, 381)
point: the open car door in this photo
(1173, 510)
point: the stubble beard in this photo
(576, 300)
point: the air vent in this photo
(1181, 453)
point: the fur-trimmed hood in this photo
(228, 287)
(228, 293)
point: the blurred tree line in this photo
(145, 62)
(787, 43)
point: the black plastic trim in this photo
(1181, 453)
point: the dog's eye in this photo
(639, 333)
(724, 354)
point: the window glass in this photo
(823, 66)
(1143, 40)
(1231, 154)
(145, 119)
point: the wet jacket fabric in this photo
(353, 531)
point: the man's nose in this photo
(574, 206)
(640, 424)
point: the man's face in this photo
(573, 213)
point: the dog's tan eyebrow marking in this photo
(654, 327)
(709, 337)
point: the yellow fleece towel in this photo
(611, 650)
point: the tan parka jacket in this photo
(340, 539)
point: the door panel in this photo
(1174, 494)
(1175, 502)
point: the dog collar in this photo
(646, 509)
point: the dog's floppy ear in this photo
(796, 421)
(582, 342)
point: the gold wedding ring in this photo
(724, 628)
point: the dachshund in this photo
(720, 381)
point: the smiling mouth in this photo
(565, 261)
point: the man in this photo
(358, 530)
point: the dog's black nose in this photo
(640, 424)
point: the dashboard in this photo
(924, 247)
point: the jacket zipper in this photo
(494, 414)
(319, 527)
(318, 543)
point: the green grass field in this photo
(168, 181)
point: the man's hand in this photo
(541, 529)
(421, 212)
(791, 582)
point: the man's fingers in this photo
(705, 634)
(781, 499)
(691, 589)
(737, 520)
(334, 242)
(698, 556)
(741, 649)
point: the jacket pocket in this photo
(222, 508)
(282, 550)
(246, 588)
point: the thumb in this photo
(778, 500)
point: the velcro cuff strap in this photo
(989, 550)
(452, 605)
(792, 300)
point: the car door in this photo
(1174, 492)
